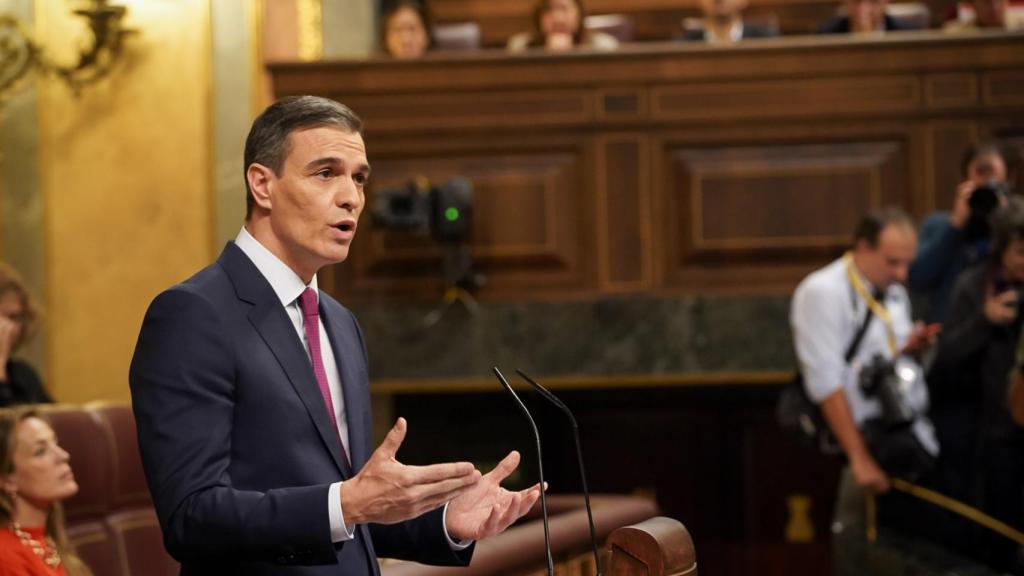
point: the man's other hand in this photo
(921, 339)
(868, 475)
(386, 491)
(961, 204)
(1001, 308)
(486, 508)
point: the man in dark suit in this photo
(251, 396)
(863, 17)
(723, 24)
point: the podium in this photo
(634, 541)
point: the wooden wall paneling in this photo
(729, 209)
(733, 136)
(528, 221)
(789, 98)
(1003, 87)
(1010, 131)
(944, 91)
(623, 204)
(946, 143)
(440, 112)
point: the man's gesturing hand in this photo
(386, 491)
(486, 508)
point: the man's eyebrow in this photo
(325, 161)
(334, 161)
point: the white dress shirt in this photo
(825, 315)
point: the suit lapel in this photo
(271, 321)
(354, 388)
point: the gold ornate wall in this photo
(111, 196)
(126, 184)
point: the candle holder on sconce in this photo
(20, 53)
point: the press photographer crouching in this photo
(983, 460)
(857, 349)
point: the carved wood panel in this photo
(730, 210)
(526, 224)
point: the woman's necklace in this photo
(50, 556)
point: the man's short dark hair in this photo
(978, 151)
(268, 143)
(871, 224)
(1007, 225)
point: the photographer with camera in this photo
(856, 345)
(977, 353)
(954, 241)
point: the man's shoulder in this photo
(936, 219)
(829, 278)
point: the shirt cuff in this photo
(456, 546)
(340, 531)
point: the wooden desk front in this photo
(666, 168)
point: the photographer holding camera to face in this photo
(954, 241)
(982, 448)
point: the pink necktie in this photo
(311, 322)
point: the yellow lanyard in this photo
(876, 307)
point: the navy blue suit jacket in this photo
(235, 438)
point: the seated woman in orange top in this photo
(34, 477)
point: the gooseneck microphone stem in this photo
(540, 468)
(548, 395)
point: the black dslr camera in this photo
(890, 383)
(984, 201)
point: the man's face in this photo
(990, 13)
(986, 169)
(315, 203)
(865, 15)
(42, 474)
(560, 17)
(1013, 261)
(887, 263)
(406, 35)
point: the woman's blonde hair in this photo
(10, 420)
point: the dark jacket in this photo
(749, 31)
(841, 25)
(236, 442)
(23, 386)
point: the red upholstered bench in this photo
(111, 521)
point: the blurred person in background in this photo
(35, 476)
(19, 382)
(723, 24)
(983, 15)
(558, 26)
(406, 29)
(953, 241)
(982, 447)
(863, 17)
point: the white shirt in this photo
(288, 287)
(825, 315)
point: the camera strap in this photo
(874, 306)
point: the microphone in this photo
(579, 457)
(540, 466)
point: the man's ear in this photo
(261, 182)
